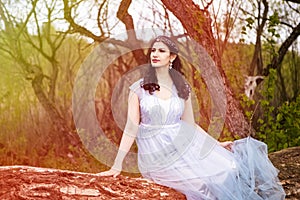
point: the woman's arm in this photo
(129, 135)
(188, 114)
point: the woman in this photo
(160, 119)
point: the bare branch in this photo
(99, 16)
(126, 18)
(277, 60)
(292, 8)
(293, 1)
(77, 28)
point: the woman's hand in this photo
(227, 145)
(112, 172)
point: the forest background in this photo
(44, 43)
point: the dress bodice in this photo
(157, 111)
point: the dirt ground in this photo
(24, 182)
(288, 162)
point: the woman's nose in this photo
(154, 53)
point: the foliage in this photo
(247, 103)
(279, 126)
(235, 62)
(276, 121)
(25, 126)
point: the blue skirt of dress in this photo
(187, 159)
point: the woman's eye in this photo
(160, 50)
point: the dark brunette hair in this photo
(150, 82)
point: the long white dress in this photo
(184, 157)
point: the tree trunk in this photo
(63, 137)
(256, 66)
(197, 23)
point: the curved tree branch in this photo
(77, 28)
(293, 1)
(99, 16)
(277, 60)
(127, 19)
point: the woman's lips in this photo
(155, 60)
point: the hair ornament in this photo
(168, 42)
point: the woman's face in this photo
(160, 55)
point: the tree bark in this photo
(197, 23)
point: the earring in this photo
(171, 65)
